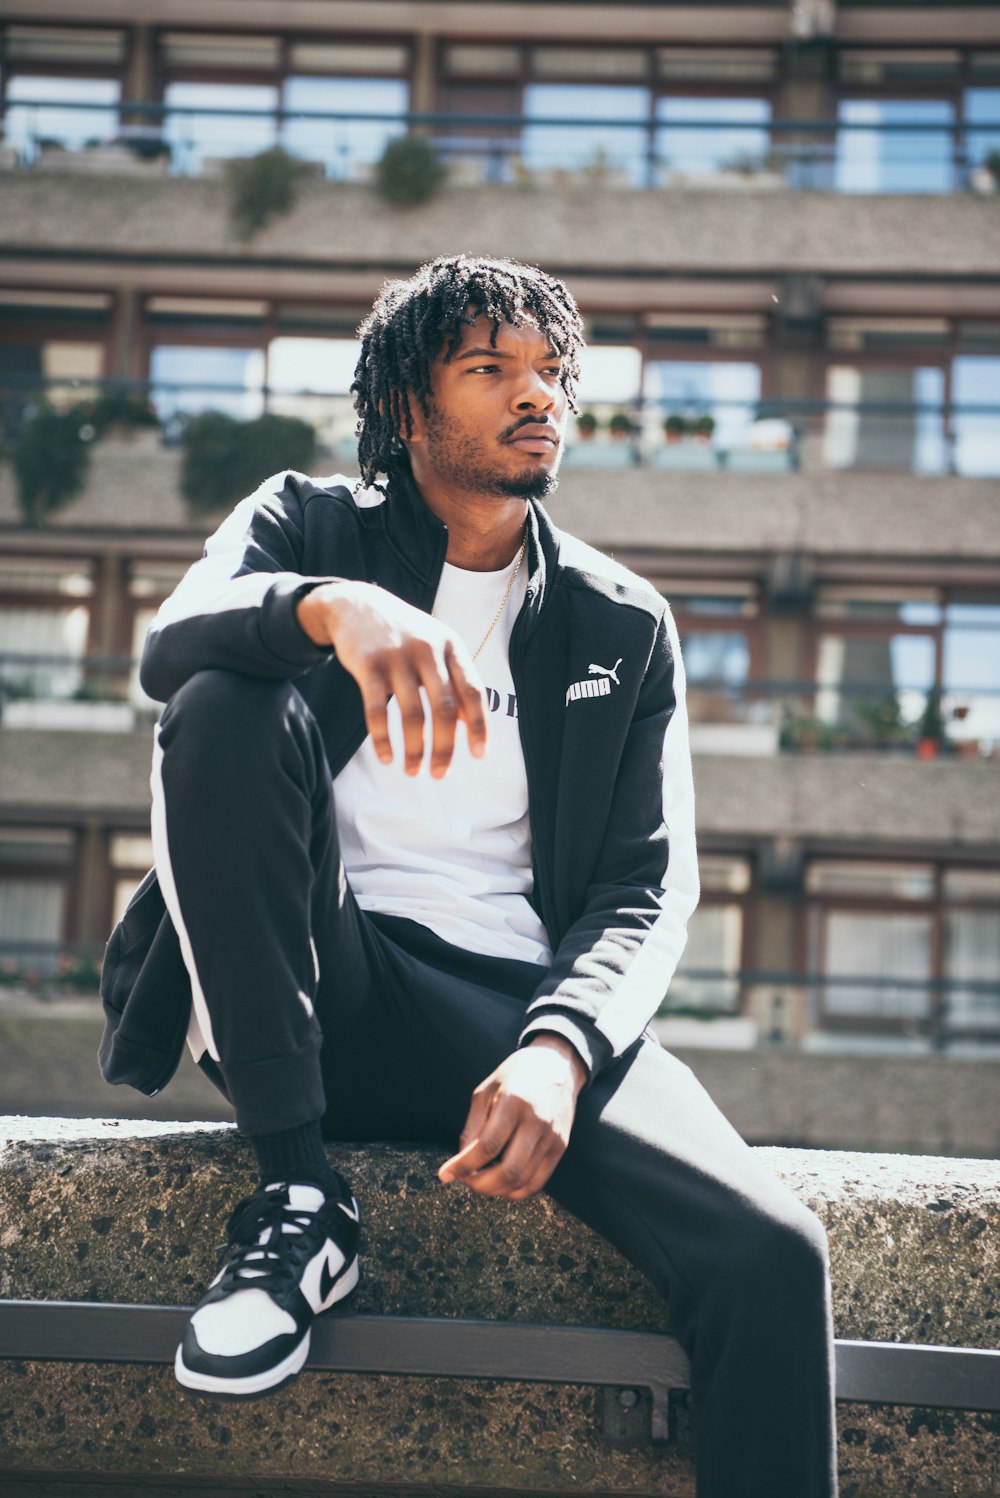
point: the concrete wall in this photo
(916, 1105)
(865, 797)
(579, 225)
(132, 1213)
(133, 487)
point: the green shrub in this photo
(119, 408)
(224, 459)
(50, 461)
(260, 188)
(410, 171)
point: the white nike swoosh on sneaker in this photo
(352, 1211)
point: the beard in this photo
(456, 456)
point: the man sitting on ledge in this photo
(396, 927)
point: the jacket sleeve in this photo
(235, 608)
(612, 967)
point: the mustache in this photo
(532, 421)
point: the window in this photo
(708, 976)
(188, 378)
(972, 948)
(324, 367)
(195, 137)
(686, 145)
(982, 112)
(874, 158)
(346, 148)
(887, 416)
(719, 635)
(46, 111)
(35, 868)
(616, 150)
(44, 623)
(130, 855)
(906, 948)
(726, 390)
(976, 382)
(878, 653)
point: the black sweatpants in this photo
(315, 1009)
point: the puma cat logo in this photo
(607, 671)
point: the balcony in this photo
(679, 142)
(783, 477)
(598, 195)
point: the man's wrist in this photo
(565, 1049)
(316, 615)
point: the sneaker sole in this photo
(269, 1380)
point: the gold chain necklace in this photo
(506, 594)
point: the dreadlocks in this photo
(413, 321)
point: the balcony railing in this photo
(826, 155)
(692, 434)
(753, 716)
(939, 1013)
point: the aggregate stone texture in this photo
(130, 1211)
(135, 485)
(579, 224)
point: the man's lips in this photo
(536, 439)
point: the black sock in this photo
(297, 1155)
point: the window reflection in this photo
(346, 148)
(877, 160)
(197, 137)
(27, 127)
(697, 152)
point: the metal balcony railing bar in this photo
(635, 433)
(754, 687)
(747, 977)
(804, 164)
(770, 406)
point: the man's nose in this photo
(534, 393)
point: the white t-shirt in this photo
(453, 854)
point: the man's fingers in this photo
(375, 697)
(443, 706)
(469, 695)
(485, 1144)
(406, 687)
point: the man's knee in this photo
(786, 1247)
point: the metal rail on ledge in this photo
(870, 1372)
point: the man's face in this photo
(497, 415)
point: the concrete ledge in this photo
(577, 226)
(130, 1212)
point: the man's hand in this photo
(392, 649)
(519, 1122)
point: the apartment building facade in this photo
(781, 223)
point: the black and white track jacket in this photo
(610, 798)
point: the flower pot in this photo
(928, 748)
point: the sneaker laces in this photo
(271, 1238)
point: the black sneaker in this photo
(296, 1254)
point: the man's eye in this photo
(485, 368)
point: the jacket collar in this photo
(421, 539)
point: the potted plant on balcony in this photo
(261, 188)
(586, 426)
(409, 171)
(704, 426)
(985, 176)
(621, 427)
(930, 727)
(674, 427)
(223, 458)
